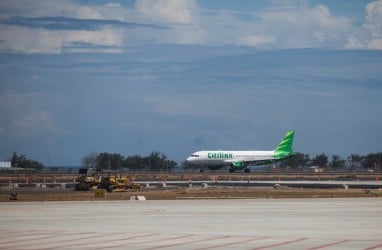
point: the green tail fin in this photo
(285, 146)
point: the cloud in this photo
(373, 24)
(57, 28)
(58, 34)
(183, 17)
(369, 36)
(292, 27)
(375, 43)
(68, 26)
(88, 13)
(173, 11)
(286, 26)
(304, 27)
(26, 40)
(113, 5)
(374, 18)
(354, 43)
(68, 23)
(255, 41)
(64, 28)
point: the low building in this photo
(5, 164)
(317, 169)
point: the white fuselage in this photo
(221, 158)
(237, 160)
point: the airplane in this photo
(238, 160)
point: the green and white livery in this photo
(238, 160)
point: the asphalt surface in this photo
(297, 184)
(345, 223)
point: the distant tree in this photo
(103, 161)
(21, 161)
(298, 161)
(188, 166)
(170, 165)
(157, 161)
(109, 161)
(53, 169)
(135, 163)
(320, 160)
(14, 160)
(372, 161)
(336, 162)
(355, 161)
(90, 160)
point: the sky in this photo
(178, 76)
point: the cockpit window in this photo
(195, 155)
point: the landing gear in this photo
(201, 170)
(231, 170)
(247, 170)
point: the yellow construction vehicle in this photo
(87, 180)
(117, 184)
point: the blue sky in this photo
(178, 76)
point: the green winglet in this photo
(285, 147)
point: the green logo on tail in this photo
(285, 147)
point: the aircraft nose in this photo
(189, 159)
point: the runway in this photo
(295, 184)
(193, 224)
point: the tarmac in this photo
(296, 184)
(346, 223)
